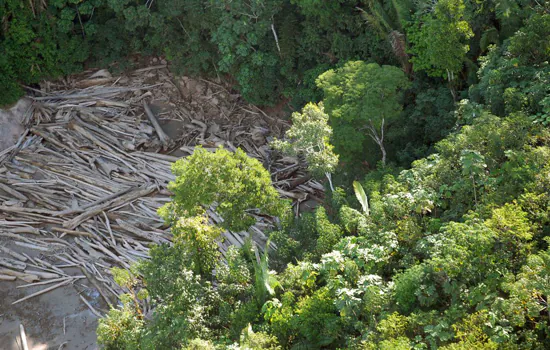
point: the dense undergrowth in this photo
(439, 109)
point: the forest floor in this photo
(80, 185)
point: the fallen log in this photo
(73, 223)
(50, 281)
(13, 254)
(22, 276)
(164, 139)
(7, 278)
(97, 202)
(13, 264)
(45, 275)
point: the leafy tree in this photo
(473, 165)
(310, 135)
(438, 39)
(362, 96)
(531, 44)
(232, 182)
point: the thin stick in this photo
(42, 291)
(276, 38)
(108, 225)
(94, 311)
(23, 337)
(50, 281)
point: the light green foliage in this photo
(394, 326)
(233, 182)
(361, 197)
(401, 343)
(310, 135)
(511, 223)
(196, 238)
(121, 329)
(470, 332)
(439, 39)
(251, 340)
(199, 344)
(361, 99)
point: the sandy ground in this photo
(43, 316)
(10, 127)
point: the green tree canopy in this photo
(361, 98)
(310, 135)
(233, 183)
(439, 39)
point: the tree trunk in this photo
(378, 138)
(450, 78)
(329, 178)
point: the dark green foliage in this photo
(307, 237)
(450, 253)
(515, 76)
(234, 39)
(37, 45)
(429, 119)
(531, 44)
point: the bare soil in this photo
(44, 315)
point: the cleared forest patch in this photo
(80, 190)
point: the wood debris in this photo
(83, 185)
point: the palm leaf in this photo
(361, 196)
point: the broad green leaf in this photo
(361, 196)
